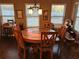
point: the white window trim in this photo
(76, 10)
(60, 16)
(32, 16)
(1, 16)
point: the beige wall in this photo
(45, 5)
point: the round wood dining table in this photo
(32, 35)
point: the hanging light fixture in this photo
(35, 7)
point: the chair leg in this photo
(20, 53)
(47, 54)
(25, 54)
(36, 53)
(40, 53)
(51, 54)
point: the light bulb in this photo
(30, 11)
(40, 11)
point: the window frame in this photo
(32, 16)
(1, 16)
(59, 16)
(76, 17)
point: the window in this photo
(77, 19)
(57, 14)
(7, 12)
(32, 20)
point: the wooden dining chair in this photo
(21, 47)
(26, 49)
(7, 32)
(47, 42)
(61, 34)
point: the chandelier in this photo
(36, 8)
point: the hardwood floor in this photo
(8, 50)
(70, 52)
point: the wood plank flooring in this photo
(8, 50)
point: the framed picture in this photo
(45, 15)
(19, 14)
